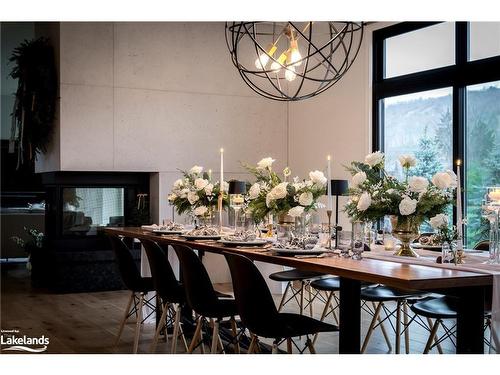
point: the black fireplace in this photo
(78, 256)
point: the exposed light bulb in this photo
(276, 65)
(290, 73)
(295, 56)
(264, 57)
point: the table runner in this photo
(473, 263)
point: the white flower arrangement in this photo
(374, 194)
(272, 194)
(195, 193)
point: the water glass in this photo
(345, 243)
(358, 240)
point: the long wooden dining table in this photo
(470, 288)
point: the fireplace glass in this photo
(86, 209)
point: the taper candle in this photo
(329, 183)
(460, 245)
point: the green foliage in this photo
(34, 110)
(427, 156)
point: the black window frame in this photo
(458, 76)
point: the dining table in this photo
(470, 285)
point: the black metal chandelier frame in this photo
(342, 39)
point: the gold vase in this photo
(405, 229)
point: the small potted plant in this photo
(33, 247)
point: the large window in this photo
(437, 96)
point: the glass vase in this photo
(358, 240)
(446, 253)
(284, 228)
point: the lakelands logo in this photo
(10, 340)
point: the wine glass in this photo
(236, 202)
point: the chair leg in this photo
(161, 324)
(125, 316)
(283, 299)
(234, 328)
(310, 300)
(310, 346)
(436, 340)
(275, 347)
(434, 330)
(384, 331)
(371, 328)
(289, 345)
(138, 324)
(177, 324)
(215, 338)
(301, 298)
(196, 335)
(398, 327)
(253, 343)
(407, 327)
(323, 314)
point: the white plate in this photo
(243, 243)
(417, 245)
(194, 238)
(164, 231)
(292, 252)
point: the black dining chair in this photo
(303, 279)
(259, 314)
(205, 301)
(139, 288)
(442, 309)
(379, 295)
(170, 291)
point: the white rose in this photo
(269, 199)
(390, 191)
(209, 188)
(200, 211)
(279, 191)
(306, 199)
(407, 161)
(265, 163)
(418, 184)
(171, 197)
(365, 200)
(407, 206)
(296, 211)
(442, 180)
(439, 221)
(254, 191)
(317, 177)
(196, 169)
(200, 183)
(358, 179)
(178, 184)
(225, 186)
(184, 193)
(192, 197)
(375, 158)
(453, 178)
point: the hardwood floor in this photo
(88, 322)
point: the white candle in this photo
(221, 185)
(460, 245)
(329, 184)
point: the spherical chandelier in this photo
(290, 61)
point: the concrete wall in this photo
(341, 119)
(161, 96)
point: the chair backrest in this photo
(255, 303)
(164, 280)
(200, 293)
(482, 245)
(126, 264)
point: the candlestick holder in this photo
(329, 215)
(219, 203)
